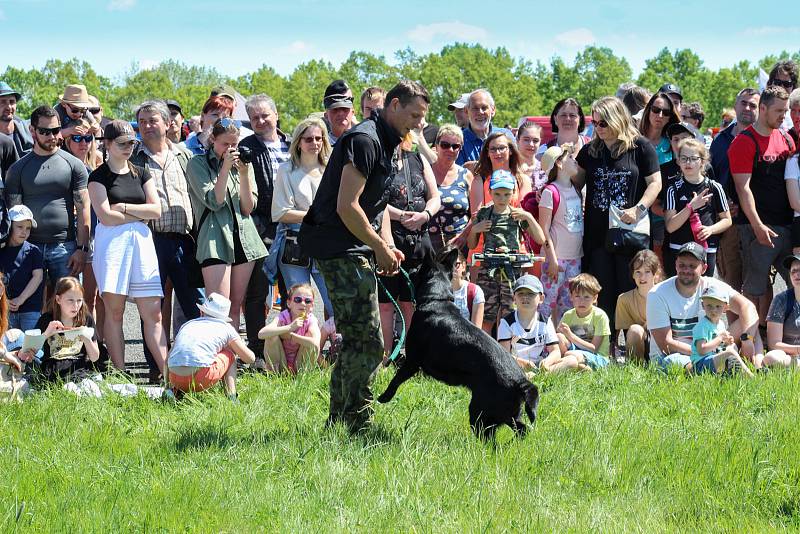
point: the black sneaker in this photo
(733, 366)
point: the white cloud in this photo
(577, 38)
(121, 5)
(448, 31)
(767, 31)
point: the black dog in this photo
(448, 347)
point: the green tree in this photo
(599, 72)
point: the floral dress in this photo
(453, 216)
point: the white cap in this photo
(20, 212)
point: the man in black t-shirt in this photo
(347, 231)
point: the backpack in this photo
(472, 289)
(531, 204)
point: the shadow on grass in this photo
(220, 437)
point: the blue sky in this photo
(236, 37)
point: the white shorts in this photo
(125, 261)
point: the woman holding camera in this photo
(223, 194)
(413, 199)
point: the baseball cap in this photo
(461, 103)
(528, 281)
(714, 292)
(684, 127)
(20, 212)
(119, 130)
(787, 261)
(671, 88)
(693, 249)
(224, 90)
(502, 178)
(336, 95)
(174, 104)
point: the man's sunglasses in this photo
(85, 138)
(300, 300)
(447, 146)
(50, 131)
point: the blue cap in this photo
(503, 179)
(6, 90)
(528, 281)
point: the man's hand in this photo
(764, 235)
(76, 262)
(14, 304)
(388, 260)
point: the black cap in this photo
(119, 129)
(671, 88)
(787, 261)
(336, 95)
(684, 127)
(693, 249)
(173, 104)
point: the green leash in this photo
(402, 340)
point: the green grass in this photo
(623, 450)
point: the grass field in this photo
(623, 450)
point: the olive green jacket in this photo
(214, 222)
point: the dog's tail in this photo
(531, 393)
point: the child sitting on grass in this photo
(584, 330)
(502, 227)
(468, 297)
(713, 347)
(205, 350)
(292, 338)
(529, 336)
(631, 312)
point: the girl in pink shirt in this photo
(292, 338)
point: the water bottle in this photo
(620, 352)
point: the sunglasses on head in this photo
(655, 110)
(77, 138)
(300, 300)
(227, 123)
(447, 146)
(51, 131)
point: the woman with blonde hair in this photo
(296, 184)
(620, 170)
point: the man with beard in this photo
(10, 124)
(52, 183)
(673, 309)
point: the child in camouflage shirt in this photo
(502, 227)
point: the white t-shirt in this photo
(531, 343)
(668, 308)
(461, 300)
(566, 227)
(792, 172)
(199, 341)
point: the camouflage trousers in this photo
(353, 291)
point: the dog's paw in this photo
(384, 397)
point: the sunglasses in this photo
(655, 110)
(447, 146)
(601, 124)
(50, 131)
(73, 109)
(94, 111)
(312, 139)
(300, 300)
(85, 138)
(783, 83)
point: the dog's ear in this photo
(448, 258)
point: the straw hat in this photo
(76, 95)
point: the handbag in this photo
(292, 252)
(624, 238)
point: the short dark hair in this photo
(635, 99)
(773, 92)
(787, 67)
(567, 102)
(695, 111)
(372, 93)
(406, 91)
(42, 111)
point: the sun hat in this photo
(76, 95)
(552, 154)
(216, 306)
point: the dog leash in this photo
(402, 340)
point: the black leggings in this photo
(613, 273)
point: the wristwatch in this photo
(745, 337)
(641, 208)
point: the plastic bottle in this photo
(620, 353)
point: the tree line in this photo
(520, 87)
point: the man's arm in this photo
(666, 343)
(82, 208)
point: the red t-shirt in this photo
(742, 151)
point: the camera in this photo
(245, 154)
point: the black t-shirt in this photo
(127, 188)
(613, 181)
(8, 154)
(670, 172)
(680, 193)
(17, 265)
(59, 346)
(369, 147)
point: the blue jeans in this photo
(175, 253)
(293, 274)
(23, 320)
(55, 257)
